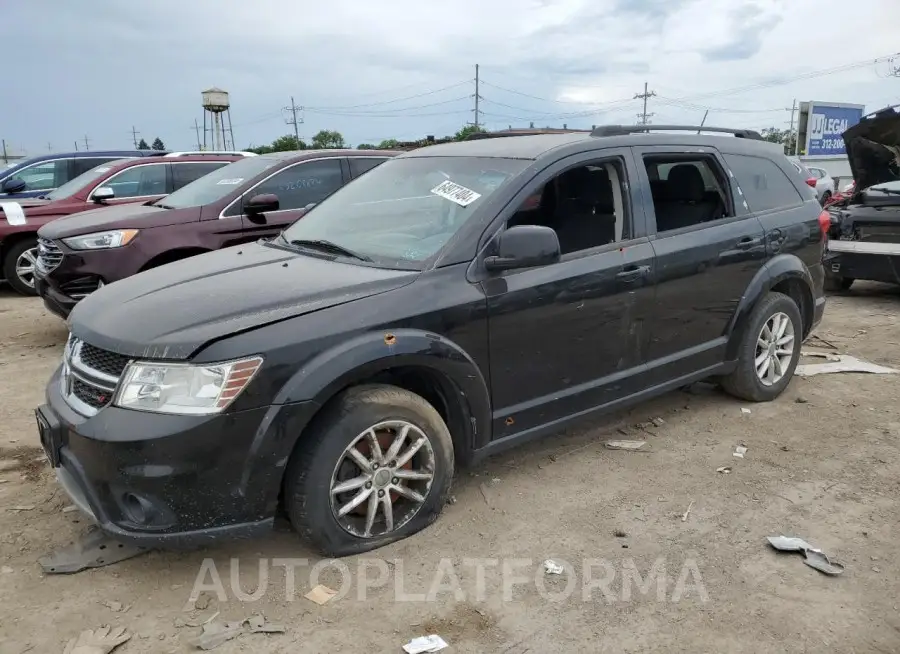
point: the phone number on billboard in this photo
(831, 144)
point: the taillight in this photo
(811, 182)
(824, 222)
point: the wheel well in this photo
(13, 240)
(799, 293)
(172, 255)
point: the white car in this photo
(817, 178)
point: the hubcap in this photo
(774, 349)
(382, 479)
(25, 266)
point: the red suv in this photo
(250, 199)
(124, 181)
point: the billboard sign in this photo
(825, 124)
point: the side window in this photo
(84, 164)
(185, 173)
(303, 183)
(686, 191)
(139, 181)
(359, 165)
(45, 176)
(763, 183)
(586, 205)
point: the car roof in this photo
(536, 146)
(134, 161)
(312, 154)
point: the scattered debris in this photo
(22, 507)
(724, 470)
(785, 448)
(70, 508)
(203, 601)
(801, 400)
(116, 607)
(93, 550)
(815, 337)
(4, 481)
(484, 494)
(829, 356)
(6, 570)
(551, 567)
(739, 451)
(320, 594)
(688, 512)
(199, 622)
(842, 363)
(425, 645)
(97, 641)
(619, 533)
(814, 558)
(659, 422)
(624, 445)
(451, 499)
(745, 410)
(216, 632)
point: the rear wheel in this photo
(376, 468)
(19, 263)
(768, 353)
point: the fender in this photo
(778, 269)
(368, 354)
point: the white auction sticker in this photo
(455, 193)
(13, 212)
(230, 182)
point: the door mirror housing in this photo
(103, 194)
(13, 185)
(261, 203)
(524, 246)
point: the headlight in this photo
(185, 389)
(102, 240)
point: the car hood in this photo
(172, 311)
(120, 216)
(873, 148)
(28, 205)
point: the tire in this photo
(838, 283)
(22, 285)
(320, 460)
(744, 382)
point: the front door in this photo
(707, 252)
(569, 337)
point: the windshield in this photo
(406, 209)
(75, 184)
(217, 184)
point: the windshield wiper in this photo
(328, 246)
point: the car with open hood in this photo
(250, 199)
(451, 302)
(864, 241)
(118, 182)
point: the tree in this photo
(388, 144)
(468, 130)
(787, 138)
(327, 138)
(158, 144)
(365, 146)
(287, 143)
(142, 145)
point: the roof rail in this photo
(621, 130)
(200, 153)
(524, 132)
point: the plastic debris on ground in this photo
(813, 557)
(97, 641)
(216, 632)
(320, 594)
(841, 363)
(688, 512)
(724, 470)
(425, 644)
(625, 445)
(551, 567)
(740, 451)
(745, 410)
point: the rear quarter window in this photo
(764, 185)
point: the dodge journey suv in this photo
(454, 301)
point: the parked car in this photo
(816, 178)
(123, 181)
(841, 194)
(39, 175)
(248, 200)
(864, 241)
(420, 318)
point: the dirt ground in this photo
(822, 463)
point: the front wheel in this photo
(19, 264)
(769, 350)
(376, 468)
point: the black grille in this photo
(91, 395)
(80, 288)
(103, 361)
(49, 255)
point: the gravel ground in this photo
(821, 463)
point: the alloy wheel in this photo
(25, 265)
(774, 349)
(382, 479)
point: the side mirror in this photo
(13, 185)
(103, 194)
(524, 246)
(256, 206)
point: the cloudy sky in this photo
(405, 68)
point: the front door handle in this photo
(632, 272)
(748, 242)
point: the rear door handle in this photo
(632, 272)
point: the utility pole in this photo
(134, 134)
(643, 116)
(76, 146)
(477, 94)
(197, 130)
(5, 156)
(49, 147)
(293, 119)
(792, 147)
(86, 145)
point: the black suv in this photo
(454, 301)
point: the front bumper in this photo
(56, 301)
(166, 481)
(873, 261)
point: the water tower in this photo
(216, 104)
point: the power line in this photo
(385, 111)
(293, 120)
(409, 97)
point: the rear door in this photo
(185, 172)
(708, 248)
